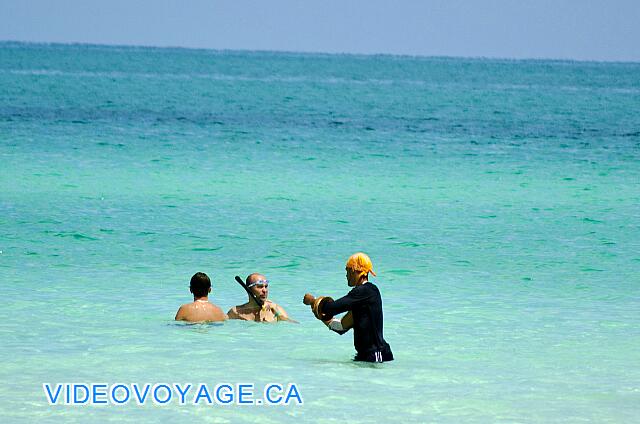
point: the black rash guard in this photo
(366, 305)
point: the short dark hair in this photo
(200, 284)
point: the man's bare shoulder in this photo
(182, 310)
(218, 312)
(244, 308)
(235, 312)
(244, 312)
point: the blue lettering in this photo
(142, 399)
(293, 393)
(52, 399)
(242, 394)
(155, 393)
(75, 394)
(95, 400)
(183, 393)
(267, 393)
(203, 392)
(114, 390)
(228, 394)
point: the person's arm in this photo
(341, 326)
(345, 303)
(280, 313)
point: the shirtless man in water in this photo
(200, 310)
(251, 311)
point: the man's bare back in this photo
(200, 310)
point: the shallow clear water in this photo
(499, 201)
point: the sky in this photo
(551, 29)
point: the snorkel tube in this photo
(253, 296)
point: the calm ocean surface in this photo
(499, 201)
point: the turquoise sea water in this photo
(499, 201)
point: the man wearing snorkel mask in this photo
(363, 305)
(251, 311)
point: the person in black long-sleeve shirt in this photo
(364, 306)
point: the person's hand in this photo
(308, 299)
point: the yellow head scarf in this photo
(362, 263)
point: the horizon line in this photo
(320, 53)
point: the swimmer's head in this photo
(259, 285)
(200, 284)
(358, 268)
